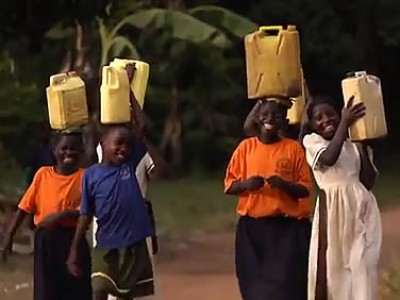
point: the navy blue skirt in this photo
(52, 281)
(272, 258)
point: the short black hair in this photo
(106, 129)
(317, 101)
(282, 107)
(56, 136)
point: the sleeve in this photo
(28, 201)
(87, 203)
(236, 169)
(99, 152)
(149, 163)
(314, 146)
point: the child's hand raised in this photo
(130, 70)
(352, 112)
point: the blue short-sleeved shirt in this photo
(112, 194)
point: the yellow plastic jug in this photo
(66, 101)
(367, 89)
(140, 79)
(273, 62)
(296, 112)
(115, 106)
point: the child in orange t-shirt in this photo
(270, 175)
(54, 199)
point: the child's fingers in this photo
(350, 102)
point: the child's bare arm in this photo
(293, 189)
(368, 173)
(137, 116)
(54, 218)
(12, 229)
(350, 114)
(72, 262)
(250, 127)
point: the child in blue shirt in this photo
(121, 264)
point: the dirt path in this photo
(200, 269)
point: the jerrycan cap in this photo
(356, 74)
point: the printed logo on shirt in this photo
(284, 167)
(125, 172)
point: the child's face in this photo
(116, 145)
(271, 118)
(68, 151)
(325, 120)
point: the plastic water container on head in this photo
(66, 101)
(115, 105)
(296, 112)
(273, 62)
(140, 78)
(367, 89)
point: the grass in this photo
(192, 204)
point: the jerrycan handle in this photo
(108, 75)
(58, 78)
(271, 30)
(360, 74)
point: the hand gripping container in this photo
(367, 89)
(296, 112)
(140, 79)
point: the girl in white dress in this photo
(345, 172)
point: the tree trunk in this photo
(171, 140)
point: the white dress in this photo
(354, 232)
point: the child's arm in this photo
(250, 127)
(368, 173)
(57, 217)
(137, 116)
(350, 114)
(12, 229)
(252, 184)
(86, 215)
(293, 189)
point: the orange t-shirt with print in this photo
(284, 158)
(51, 193)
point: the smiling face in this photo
(325, 120)
(271, 119)
(116, 145)
(68, 151)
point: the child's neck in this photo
(269, 139)
(108, 163)
(65, 170)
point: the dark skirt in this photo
(52, 281)
(272, 258)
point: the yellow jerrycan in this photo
(66, 101)
(296, 112)
(367, 89)
(140, 79)
(273, 62)
(115, 105)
